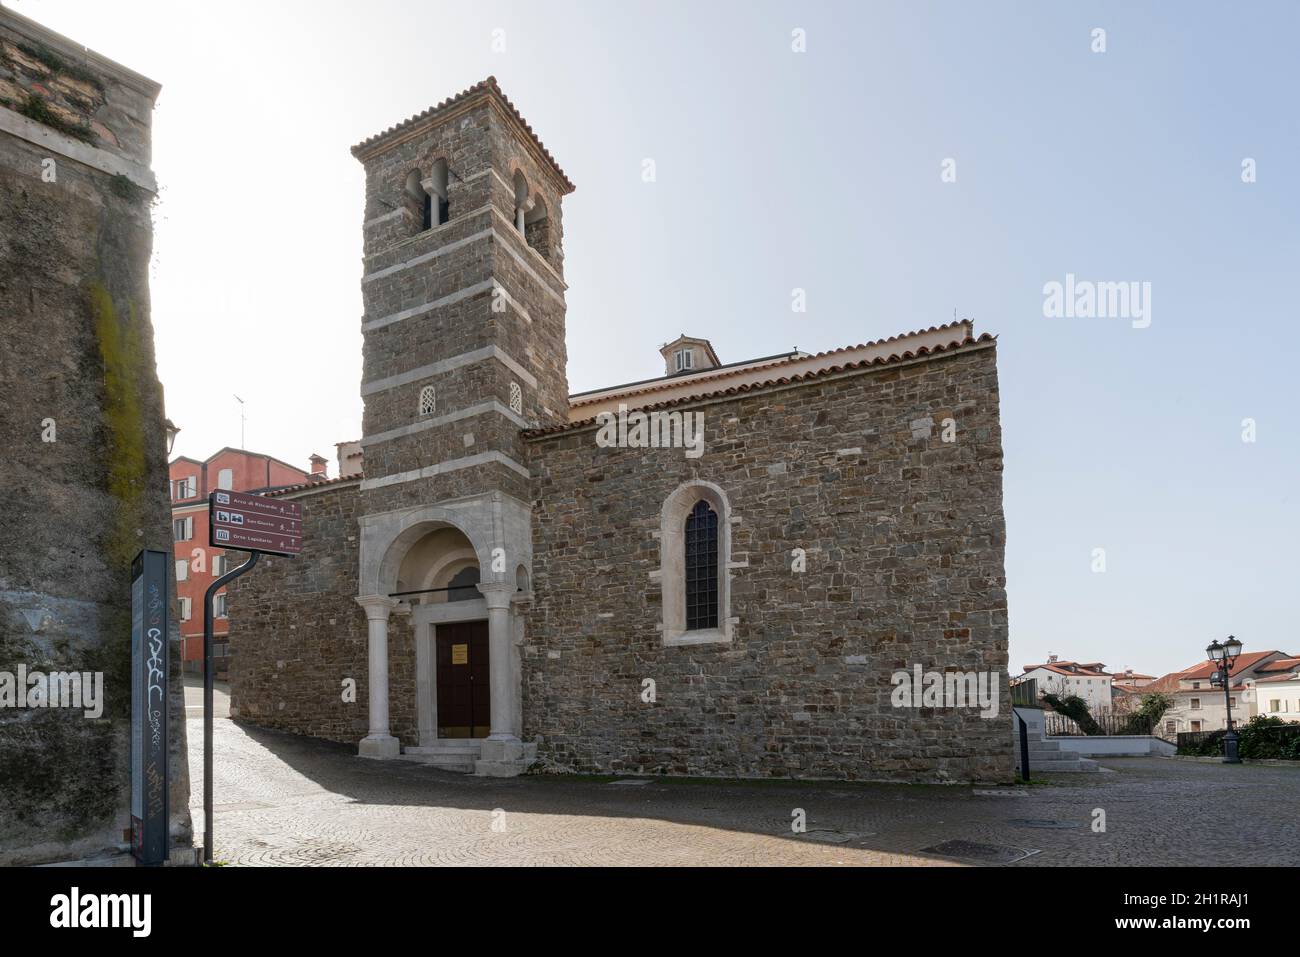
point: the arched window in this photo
(438, 190)
(701, 567)
(427, 404)
(522, 203)
(516, 399)
(461, 587)
(537, 227)
(420, 198)
(694, 565)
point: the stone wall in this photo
(83, 481)
(904, 539)
(297, 633)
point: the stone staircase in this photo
(1046, 756)
(449, 754)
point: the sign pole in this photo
(249, 523)
(207, 698)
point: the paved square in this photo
(282, 799)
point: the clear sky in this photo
(819, 170)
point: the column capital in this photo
(378, 607)
(497, 594)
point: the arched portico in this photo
(410, 560)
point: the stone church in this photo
(717, 571)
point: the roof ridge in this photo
(488, 85)
(740, 368)
(893, 358)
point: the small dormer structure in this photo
(686, 354)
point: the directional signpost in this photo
(259, 526)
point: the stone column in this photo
(498, 595)
(378, 743)
(426, 690)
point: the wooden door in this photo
(464, 705)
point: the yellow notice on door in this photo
(460, 654)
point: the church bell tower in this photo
(463, 289)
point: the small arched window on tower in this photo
(522, 202)
(516, 399)
(438, 191)
(701, 567)
(427, 404)
(420, 199)
(537, 228)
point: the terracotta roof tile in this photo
(737, 369)
(490, 87)
(744, 388)
(314, 485)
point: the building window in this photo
(185, 608)
(182, 570)
(1171, 727)
(685, 360)
(218, 565)
(438, 192)
(1195, 704)
(419, 198)
(516, 399)
(694, 565)
(226, 479)
(183, 528)
(701, 567)
(1196, 726)
(219, 606)
(1274, 705)
(427, 404)
(522, 204)
(184, 488)
(537, 228)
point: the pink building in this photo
(197, 562)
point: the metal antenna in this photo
(241, 420)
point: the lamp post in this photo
(1224, 656)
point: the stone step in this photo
(463, 762)
(441, 748)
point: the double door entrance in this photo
(464, 705)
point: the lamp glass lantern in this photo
(1215, 651)
(1231, 647)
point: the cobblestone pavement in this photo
(283, 799)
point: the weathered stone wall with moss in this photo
(83, 478)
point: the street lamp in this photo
(170, 428)
(1224, 656)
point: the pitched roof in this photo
(1207, 667)
(779, 380)
(1090, 670)
(1280, 664)
(485, 89)
(665, 383)
(286, 489)
(1289, 676)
